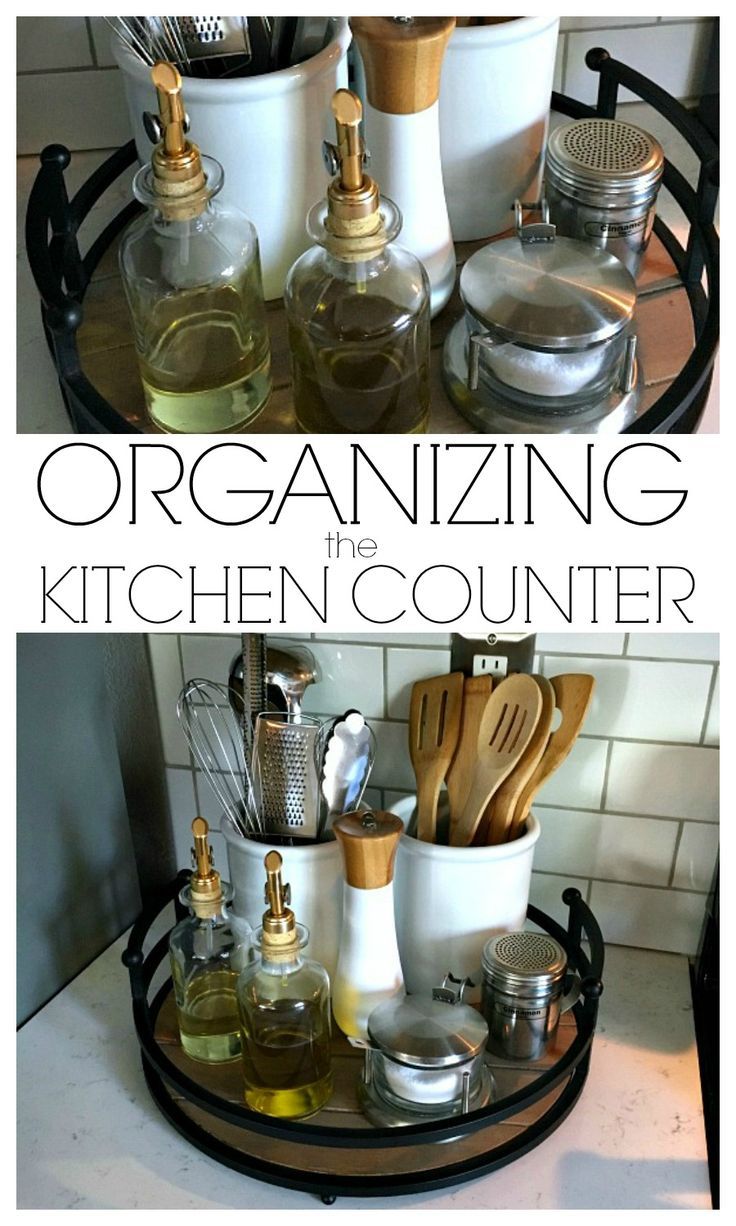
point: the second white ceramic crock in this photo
(314, 872)
(450, 900)
(494, 107)
(267, 133)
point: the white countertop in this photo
(90, 1137)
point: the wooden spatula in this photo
(500, 812)
(506, 728)
(573, 693)
(434, 728)
(476, 692)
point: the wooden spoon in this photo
(476, 692)
(508, 723)
(573, 694)
(501, 810)
(434, 729)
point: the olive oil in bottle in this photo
(284, 1015)
(200, 950)
(357, 306)
(192, 278)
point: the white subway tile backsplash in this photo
(642, 699)
(349, 676)
(579, 781)
(581, 644)
(696, 857)
(606, 845)
(650, 919)
(209, 655)
(82, 110)
(546, 893)
(404, 667)
(607, 23)
(713, 727)
(102, 36)
(674, 646)
(393, 767)
(668, 780)
(183, 810)
(674, 56)
(52, 42)
(389, 638)
(167, 681)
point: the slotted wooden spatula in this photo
(476, 692)
(573, 693)
(434, 728)
(500, 812)
(508, 723)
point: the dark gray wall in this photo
(78, 884)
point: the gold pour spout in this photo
(205, 887)
(348, 112)
(167, 81)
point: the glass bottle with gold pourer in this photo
(192, 278)
(200, 951)
(284, 1002)
(357, 304)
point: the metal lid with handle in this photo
(547, 292)
(429, 1032)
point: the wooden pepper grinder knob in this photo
(368, 966)
(402, 60)
(368, 842)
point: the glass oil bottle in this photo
(200, 951)
(357, 306)
(192, 278)
(284, 1002)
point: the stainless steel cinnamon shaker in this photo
(522, 994)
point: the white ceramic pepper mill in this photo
(368, 965)
(402, 59)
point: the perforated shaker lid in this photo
(605, 153)
(525, 961)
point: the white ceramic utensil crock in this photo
(450, 900)
(494, 107)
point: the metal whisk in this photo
(215, 738)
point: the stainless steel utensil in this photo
(215, 740)
(285, 775)
(290, 669)
(344, 762)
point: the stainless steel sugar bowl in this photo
(522, 994)
(601, 180)
(547, 333)
(424, 1057)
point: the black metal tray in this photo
(337, 1152)
(63, 274)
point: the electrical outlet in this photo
(495, 654)
(497, 666)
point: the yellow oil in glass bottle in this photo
(284, 1002)
(192, 278)
(200, 951)
(357, 305)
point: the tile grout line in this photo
(606, 776)
(630, 885)
(675, 853)
(709, 704)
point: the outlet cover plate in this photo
(497, 654)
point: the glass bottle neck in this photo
(355, 271)
(280, 964)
